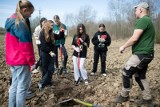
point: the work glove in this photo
(52, 54)
(77, 49)
(33, 67)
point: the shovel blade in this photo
(67, 103)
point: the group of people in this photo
(50, 36)
(80, 44)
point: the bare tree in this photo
(70, 19)
(34, 23)
(122, 18)
(86, 14)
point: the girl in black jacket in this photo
(101, 40)
(80, 44)
(47, 53)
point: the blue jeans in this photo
(21, 79)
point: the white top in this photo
(37, 34)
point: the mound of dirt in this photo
(101, 90)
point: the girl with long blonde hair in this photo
(19, 52)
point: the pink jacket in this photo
(18, 43)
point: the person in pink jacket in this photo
(19, 52)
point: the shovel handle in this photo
(83, 103)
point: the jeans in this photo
(21, 79)
(64, 52)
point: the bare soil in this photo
(101, 90)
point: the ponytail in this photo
(22, 4)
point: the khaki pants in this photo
(136, 65)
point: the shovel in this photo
(75, 101)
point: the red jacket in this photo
(18, 43)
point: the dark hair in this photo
(83, 35)
(56, 17)
(102, 25)
(41, 20)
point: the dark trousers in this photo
(102, 55)
(64, 52)
(47, 68)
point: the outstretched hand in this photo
(121, 49)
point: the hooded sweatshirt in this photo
(18, 43)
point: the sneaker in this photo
(144, 102)
(35, 71)
(40, 87)
(64, 71)
(86, 82)
(92, 73)
(104, 74)
(30, 95)
(56, 70)
(121, 99)
(75, 83)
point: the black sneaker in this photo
(143, 102)
(121, 99)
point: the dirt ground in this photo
(101, 90)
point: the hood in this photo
(10, 21)
(101, 32)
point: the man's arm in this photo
(136, 35)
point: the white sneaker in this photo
(86, 82)
(35, 71)
(92, 73)
(104, 74)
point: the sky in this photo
(49, 8)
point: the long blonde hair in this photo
(22, 4)
(47, 28)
